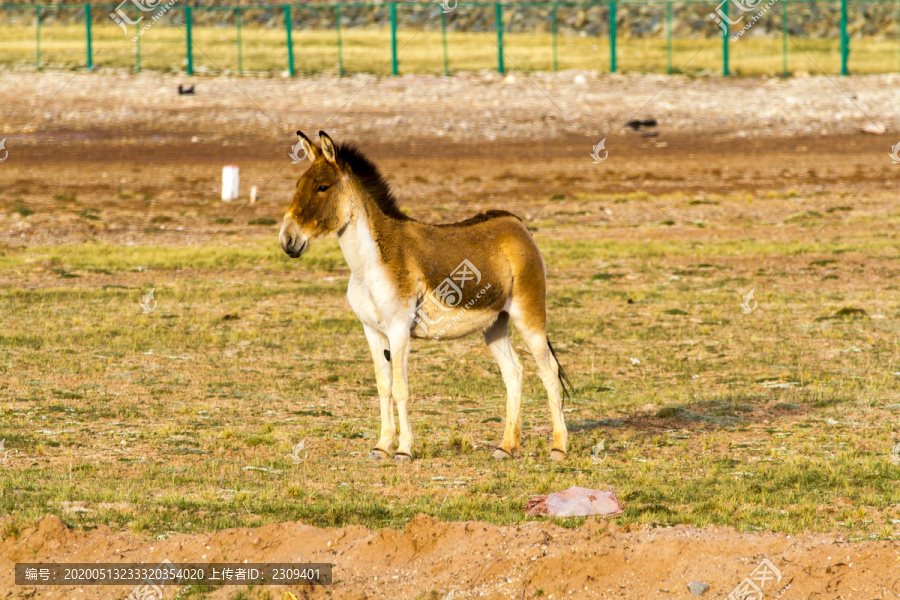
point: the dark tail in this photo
(568, 388)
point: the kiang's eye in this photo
(323, 188)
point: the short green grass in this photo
(184, 419)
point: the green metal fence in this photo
(606, 35)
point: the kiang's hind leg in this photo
(529, 317)
(378, 344)
(497, 339)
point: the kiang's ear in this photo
(312, 151)
(328, 148)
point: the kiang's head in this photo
(321, 204)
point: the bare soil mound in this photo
(431, 559)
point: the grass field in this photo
(369, 51)
(183, 419)
(173, 424)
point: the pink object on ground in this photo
(576, 502)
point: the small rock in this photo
(697, 588)
(873, 128)
(580, 80)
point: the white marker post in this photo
(230, 182)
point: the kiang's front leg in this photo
(378, 344)
(400, 341)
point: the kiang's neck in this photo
(358, 238)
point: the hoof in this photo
(501, 454)
(558, 455)
(402, 457)
(379, 454)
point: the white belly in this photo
(452, 325)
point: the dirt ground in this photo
(551, 179)
(130, 151)
(127, 147)
(431, 559)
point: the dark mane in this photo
(375, 185)
(372, 181)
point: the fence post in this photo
(725, 32)
(444, 38)
(87, 36)
(393, 38)
(37, 39)
(499, 25)
(240, 43)
(553, 29)
(137, 51)
(612, 37)
(784, 33)
(289, 39)
(845, 39)
(669, 37)
(190, 40)
(337, 20)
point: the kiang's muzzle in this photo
(292, 240)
